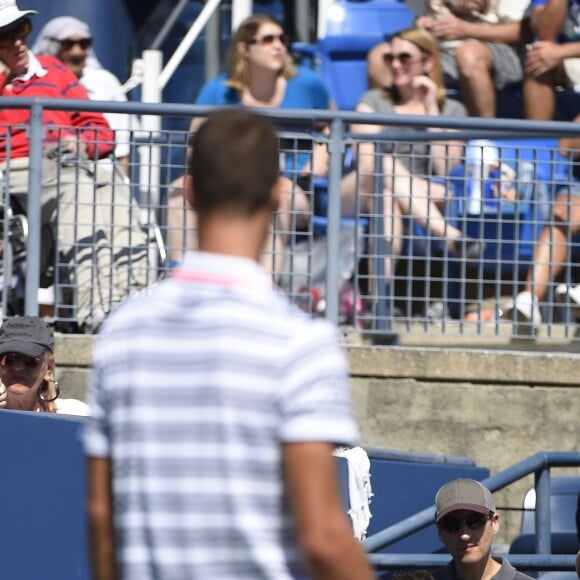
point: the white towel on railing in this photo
(359, 488)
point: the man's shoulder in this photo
(444, 573)
(508, 572)
(56, 67)
(48, 61)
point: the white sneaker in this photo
(569, 295)
(526, 311)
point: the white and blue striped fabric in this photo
(195, 387)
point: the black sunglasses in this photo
(404, 58)
(20, 31)
(270, 38)
(11, 358)
(473, 522)
(68, 43)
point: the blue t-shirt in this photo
(306, 90)
(571, 29)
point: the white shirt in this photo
(196, 385)
(103, 85)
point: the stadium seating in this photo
(342, 65)
(352, 28)
(563, 502)
(509, 228)
(420, 476)
(373, 17)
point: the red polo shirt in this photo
(57, 82)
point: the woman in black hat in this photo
(27, 369)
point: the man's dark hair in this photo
(234, 163)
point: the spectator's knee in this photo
(473, 58)
(567, 214)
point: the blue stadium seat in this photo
(564, 532)
(352, 29)
(510, 228)
(342, 65)
(372, 17)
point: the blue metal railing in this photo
(303, 120)
(538, 562)
(539, 465)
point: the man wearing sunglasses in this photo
(467, 522)
(102, 248)
(71, 41)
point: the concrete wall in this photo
(497, 407)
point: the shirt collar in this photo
(223, 269)
(35, 69)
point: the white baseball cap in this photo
(10, 13)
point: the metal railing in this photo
(539, 465)
(344, 269)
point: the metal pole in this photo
(543, 516)
(323, 6)
(335, 149)
(168, 25)
(34, 211)
(212, 47)
(187, 42)
(302, 20)
(150, 156)
(240, 9)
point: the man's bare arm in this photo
(450, 27)
(324, 532)
(547, 21)
(100, 516)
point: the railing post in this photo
(543, 518)
(335, 150)
(150, 156)
(382, 283)
(34, 211)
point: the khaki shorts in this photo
(507, 69)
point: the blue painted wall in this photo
(109, 21)
(43, 514)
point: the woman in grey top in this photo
(416, 89)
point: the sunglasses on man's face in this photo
(68, 43)
(404, 58)
(13, 358)
(472, 522)
(268, 39)
(19, 32)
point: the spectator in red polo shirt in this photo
(103, 248)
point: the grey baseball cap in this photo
(463, 494)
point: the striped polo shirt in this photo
(195, 385)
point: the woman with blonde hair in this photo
(261, 74)
(409, 167)
(27, 380)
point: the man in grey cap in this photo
(467, 522)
